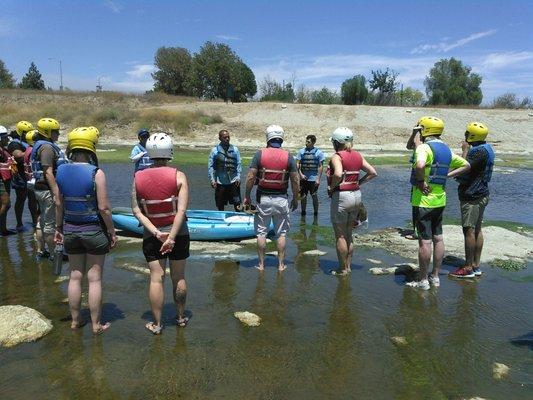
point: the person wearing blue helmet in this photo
(139, 155)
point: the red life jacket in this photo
(274, 169)
(351, 165)
(158, 193)
(6, 165)
(27, 163)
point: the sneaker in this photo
(424, 284)
(43, 254)
(462, 273)
(434, 281)
(477, 271)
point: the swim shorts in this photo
(472, 212)
(307, 187)
(227, 194)
(344, 206)
(151, 246)
(273, 208)
(428, 221)
(95, 243)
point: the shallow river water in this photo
(321, 336)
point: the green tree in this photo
(32, 79)
(409, 97)
(173, 67)
(383, 85)
(217, 72)
(272, 90)
(354, 90)
(451, 83)
(6, 78)
(325, 96)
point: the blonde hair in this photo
(345, 146)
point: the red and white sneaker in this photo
(463, 272)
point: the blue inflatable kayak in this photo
(203, 225)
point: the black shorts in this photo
(95, 243)
(151, 246)
(307, 187)
(6, 187)
(225, 194)
(428, 221)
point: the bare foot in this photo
(76, 325)
(259, 267)
(282, 268)
(101, 328)
(340, 272)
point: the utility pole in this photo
(60, 73)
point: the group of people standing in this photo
(68, 200)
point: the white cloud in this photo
(506, 59)
(114, 6)
(227, 37)
(141, 70)
(444, 46)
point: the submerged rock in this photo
(499, 370)
(61, 278)
(22, 324)
(371, 260)
(315, 252)
(399, 340)
(248, 318)
(397, 269)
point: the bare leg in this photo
(424, 256)
(77, 266)
(349, 244)
(155, 292)
(94, 265)
(342, 247)
(261, 247)
(470, 246)
(303, 204)
(280, 244)
(438, 254)
(19, 205)
(479, 247)
(177, 275)
(5, 204)
(32, 206)
(315, 203)
(38, 236)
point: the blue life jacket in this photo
(226, 161)
(76, 184)
(309, 161)
(442, 157)
(487, 174)
(18, 141)
(143, 162)
(36, 166)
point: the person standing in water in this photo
(224, 170)
(159, 200)
(6, 174)
(82, 213)
(434, 163)
(343, 188)
(139, 155)
(272, 168)
(474, 195)
(309, 161)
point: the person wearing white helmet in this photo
(272, 168)
(6, 170)
(160, 197)
(343, 188)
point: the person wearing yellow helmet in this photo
(18, 147)
(474, 195)
(6, 173)
(433, 164)
(81, 204)
(45, 158)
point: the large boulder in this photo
(22, 324)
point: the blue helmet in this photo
(143, 134)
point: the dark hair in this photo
(222, 131)
(312, 137)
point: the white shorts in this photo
(273, 208)
(344, 206)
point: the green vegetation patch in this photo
(508, 265)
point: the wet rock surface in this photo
(248, 318)
(20, 324)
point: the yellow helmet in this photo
(45, 126)
(30, 136)
(431, 126)
(85, 138)
(23, 127)
(476, 132)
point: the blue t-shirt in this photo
(319, 157)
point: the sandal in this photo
(155, 329)
(182, 321)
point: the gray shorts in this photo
(344, 206)
(273, 208)
(472, 212)
(95, 243)
(47, 210)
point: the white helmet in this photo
(159, 145)
(274, 132)
(342, 135)
(3, 130)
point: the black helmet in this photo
(143, 134)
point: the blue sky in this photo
(317, 43)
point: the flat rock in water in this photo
(399, 340)
(315, 252)
(61, 278)
(371, 260)
(378, 271)
(22, 324)
(248, 318)
(499, 370)
(397, 269)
